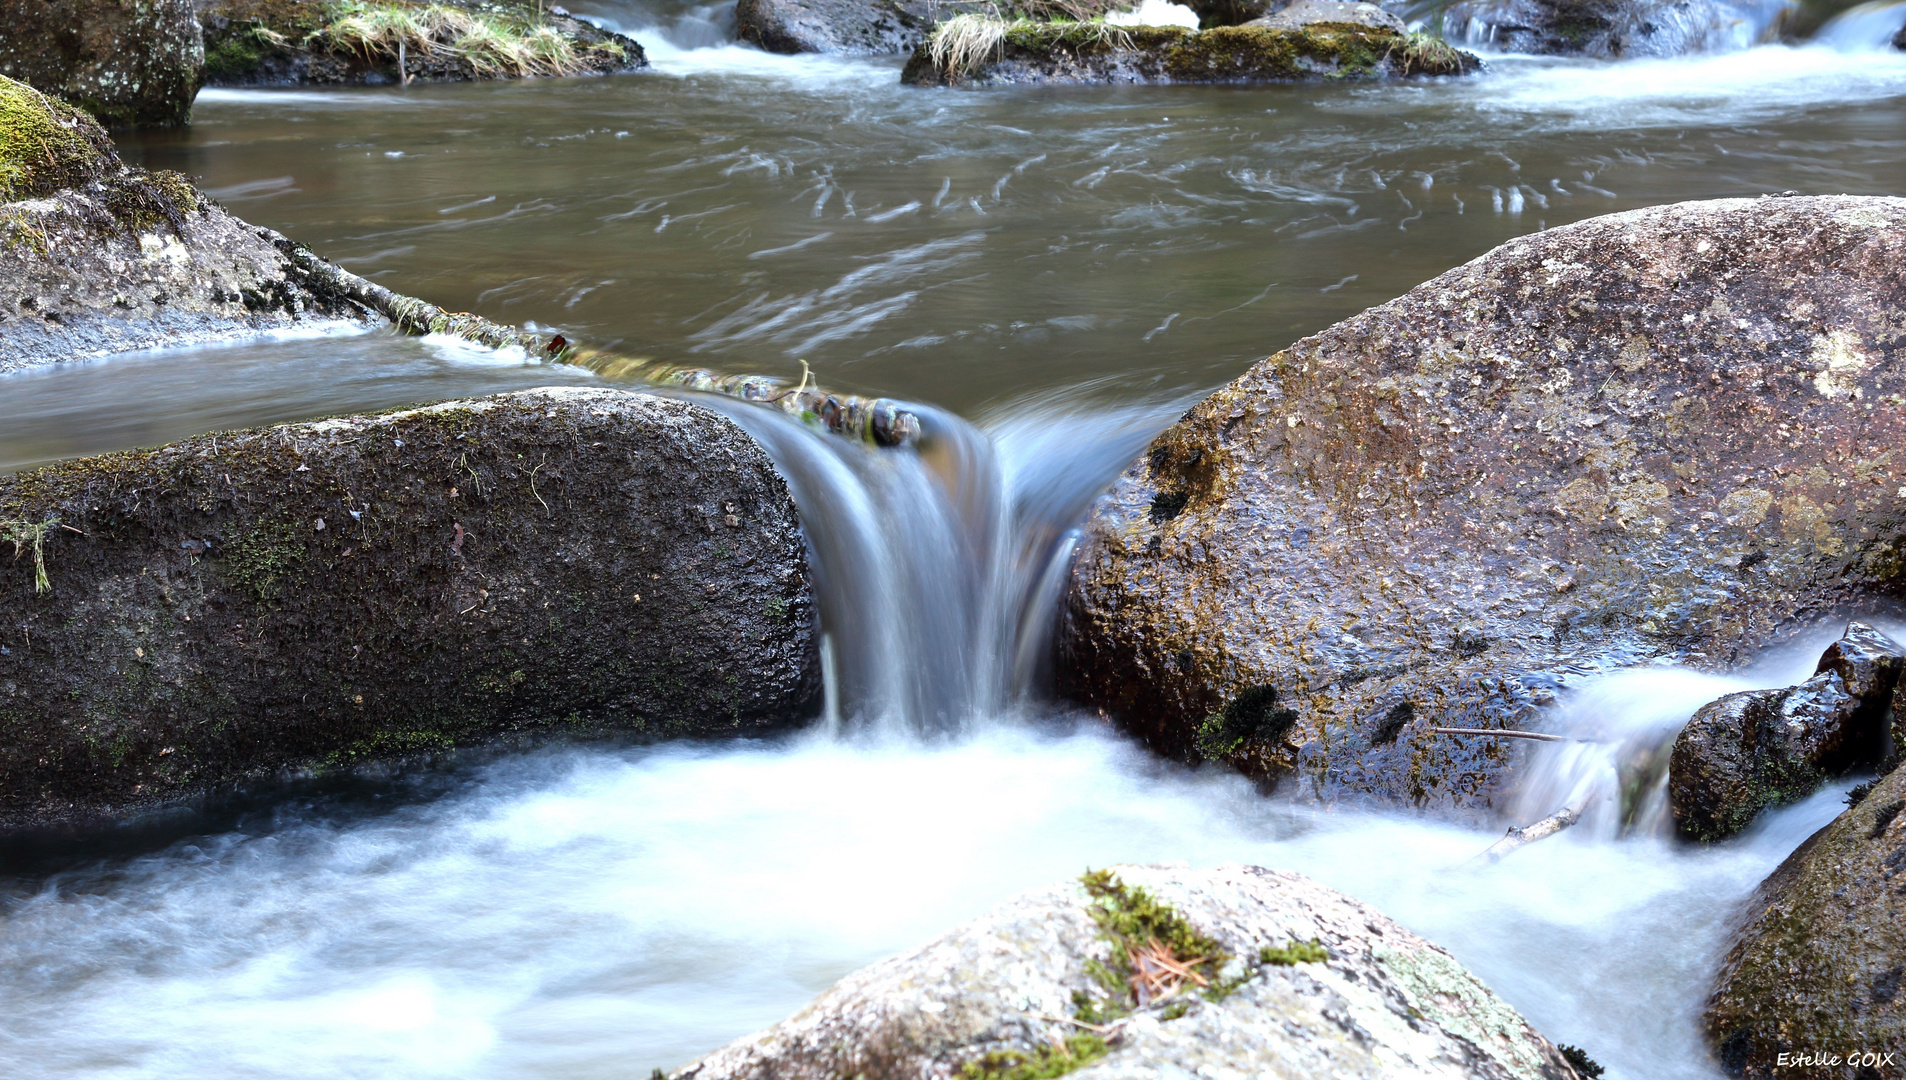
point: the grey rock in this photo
(1665, 433)
(1816, 964)
(1748, 751)
(131, 63)
(1343, 12)
(1610, 29)
(843, 27)
(1060, 53)
(314, 596)
(1385, 1004)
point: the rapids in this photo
(1058, 272)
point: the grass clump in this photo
(46, 145)
(1156, 954)
(1051, 1060)
(25, 534)
(1425, 54)
(493, 45)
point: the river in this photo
(1060, 271)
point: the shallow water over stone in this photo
(599, 911)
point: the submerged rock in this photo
(845, 27)
(288, 42)
(1093, 53)
(97, 257)
(1665, 433)
(1291, 980)
(316, 595)
(1817, 965)
(130, 63)
(1748, 751)
(1611, 29)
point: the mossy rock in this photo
(288, 42)
(316, 596)
(47, 145)
(1092, 53)
(1816, 966)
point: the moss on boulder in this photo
(283, 42)
(47, 145)
(1094, 53)
(1817, 964)
(316, 595)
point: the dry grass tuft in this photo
(492, 45)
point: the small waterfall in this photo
(938, 566)
(1871, 27)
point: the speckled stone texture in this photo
(104, 258)
(844, 27)
(1817, 965)
(1761, 748)
(1667, 433)
(313, 596)
(1385, 1004)
(1610, 29)
(131, 63)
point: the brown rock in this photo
(1667, 433)
(1817, 965)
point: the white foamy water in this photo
(597, 913)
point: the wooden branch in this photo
(1504, 733)
(1541, 830)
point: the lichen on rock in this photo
(1595, 445)
(1312, 983)
(129, 63)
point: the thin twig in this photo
(1505, 734)
(1541, 830)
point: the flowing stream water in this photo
(1058, 271)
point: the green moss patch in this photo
(1048, 1061)
(46, 145)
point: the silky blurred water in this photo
(1065, 268)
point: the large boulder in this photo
(1611, 29)
(846, 27)
(290, 42)
(316, 595)
(1816, 967)
(1287, 979)
(131, 63)
(1760, 748)
(97, 257)
(1668, 433)
(1258, 52)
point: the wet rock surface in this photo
(314, 596)
(1817, 965)
(1312, 983)
(845, 27)
(1343, 12)
(1609, 29)
(1666, 433)
(130, 63)
(293, 42)
(1071, 53)
(96, 257)
(1748, 751)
